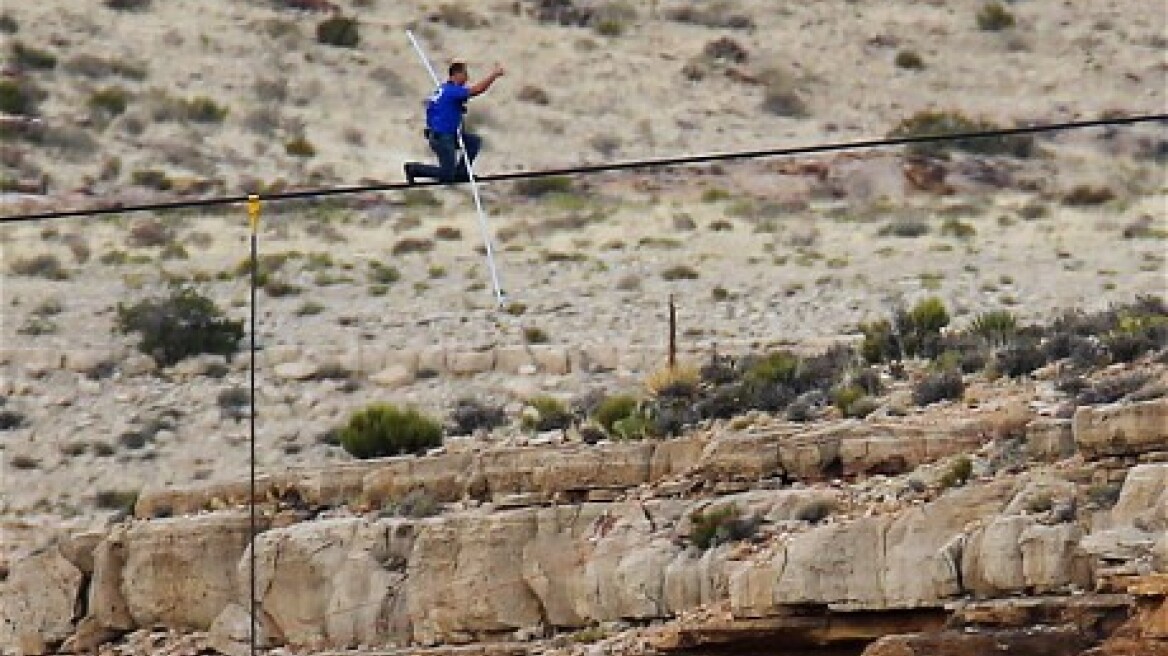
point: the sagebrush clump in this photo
(382, 430)
(339, 31)
(933, 123)
(179, 325)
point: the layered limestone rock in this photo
(1122, 430)
(39, 603)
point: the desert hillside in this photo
(919, 399)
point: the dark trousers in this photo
(449, 168)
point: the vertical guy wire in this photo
(253, 215)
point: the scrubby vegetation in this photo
(931, 123)
(382, 430)
(721, 525)
(338, 31)
(179, 325)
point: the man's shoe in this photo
(411, 172)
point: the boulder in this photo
(38, 603)
(1122, 429)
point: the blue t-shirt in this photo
(444, 108)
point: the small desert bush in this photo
(382, 274)
(26, 56)
(11, 419)
(958, 472)
(338, 31)
(614, 409)
(680, 272)
(546, 413)
(905, 227)
(179, 325)
(470, 415)
(111, 101)
(459, 17)
(45, 265)
(1112, 389)
(781, 95)
(413, 245)
(680, 381)
(128, 5)
(711, 13)
(202, 109)
(612, 18)
(8, 24)
(816, 510)
(956, 228)
(538, 187)
(535, 335)
(939, 386)
(95, 67)
(532, 94)
(18, 97)
(909, 59)
(935, 123)
(1087, 195)
(994, 17)
(300, 147)
(996, 327)
(417, 504)
(150, 233)
(382, 430)
(120, 500)
(853, 402)
(719, 526)
(1019, 358)
(152, 179)
(447, 233)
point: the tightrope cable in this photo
(598, 168)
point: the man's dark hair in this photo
(456, 68)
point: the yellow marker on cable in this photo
(253, 212)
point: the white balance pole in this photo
(474, 186)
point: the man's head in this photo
(457, 72)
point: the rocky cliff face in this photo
(541, 541)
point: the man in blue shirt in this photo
(444, 110)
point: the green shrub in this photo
(956, 228)
(128, 5)
(995, 326)
(120, 500)
(152, 179)
(413, 245)
(938, 387)
(382, 430)
(417, 504)
(29, 57)
(382, 274)
(816, 510)
(612, 18)
(180, 325)
(338, 31)
(8, 24)
(635, 426)
(905, 227)
(18, 97)
(958, 473)
(95, 67)
(994, 17)
(538, 187)
(549, 413)
(11, 419)
(909, 59)
(204, 110)
(300, 147)
(719, 526)
(853, 402)
(931, 123)
(111, 101)
(778, 367)
(613, 409)
(1019, 358)
(680, 272)
(44, 265)
(1087, 195)
(535, 335)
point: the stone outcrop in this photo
(1122, 430)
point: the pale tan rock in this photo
(138, 364)
(394, 376)
(406, 358)
(1122, 429)
(1143, 498)
(550, 359)
(38, 602)
(469, 363)
(512, 359)
(278, 354)
(1051, 558)
(432, 358)
(740, 457)
(300, 370)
